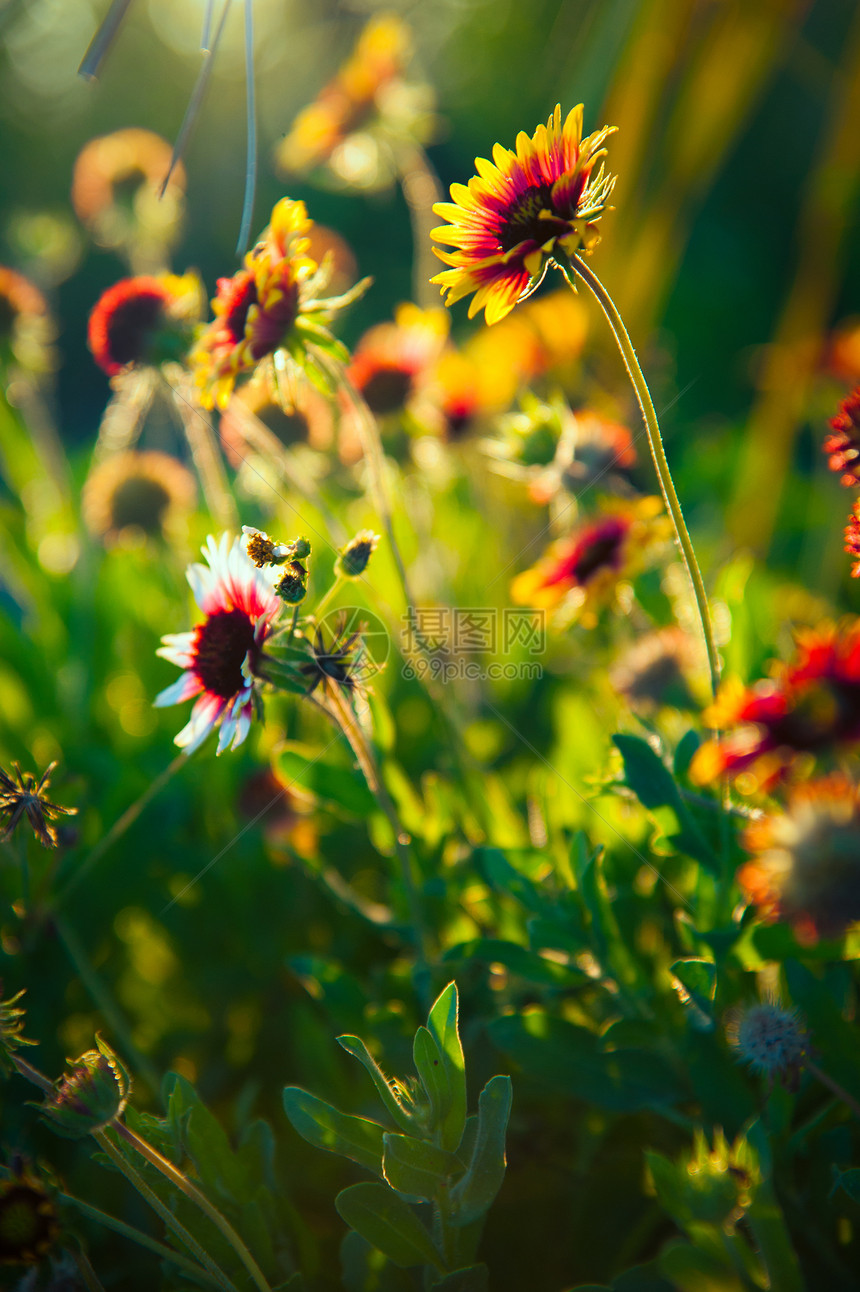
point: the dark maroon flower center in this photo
(221, 644)
(139, 502)
(240, 293)
(387, 389)
(827, 712)
(131, 326)
(598, 549)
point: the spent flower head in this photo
(520, 211)
(353, 558)
(148, 493)
(770, 1039)
(23, 795)
(91, 1095)
(28, 1219)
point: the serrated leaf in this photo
(442, 1023)
(416, 1168)
(356, 1047)
(472, 1196)
(388, 1223)
(653, 784)
(357, 1138)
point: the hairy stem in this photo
(576, 268)
(181, 1181)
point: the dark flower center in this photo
(387, 389)
(26, 1223)
(140, 502)
(131, 326)
(602, 552)
(8, 315)
(827, 712)
(221, 645)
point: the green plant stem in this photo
(103, 999)
(839, 1091)
(87, 1273)
(24, 859)
(120, 826)
(421, 188)
(181, 1181)
(204, 449)
(328, 596)
(572, 268)
(139, 1237)
(136, 1179)
(346, 721)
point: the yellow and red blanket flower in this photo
(350, 98)
(810, 707)
(843, 446)
(146, 320)
(220, 658)
(585, 569)
(513, 215)
(805, 866)
(391, 358)
(269, 305)
(117, 159)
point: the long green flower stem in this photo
(138, 1236)
(187, 1239)
(575, 268)
(181, 1181)
(346, 721)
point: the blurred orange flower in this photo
(144, 320)
(843, 446)
(26, 327)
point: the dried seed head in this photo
(770, 1040)
(354, 557)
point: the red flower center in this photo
(221, 644)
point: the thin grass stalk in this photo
(204, 450)
(575, 267)
(421, 189)
(181, 1181)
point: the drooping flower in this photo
(584, 570)
(770, 1039)
(508, 221)
(810, 707)
(805, 866)
(843, 445)
(26, 329)
(144, 493)
(24, 795)
(116, 193)
(147, 320)
(220, 658)
(269, 305)
(337, 127)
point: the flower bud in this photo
(770, 1040)
(353, 558)
(292, 587)
(89, 1097)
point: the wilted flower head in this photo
(656, 671)
(24, 795)
(771, 1040)
(116, 193)
(584, 570)
(366, 87)
(269, 305)
(352, 559)
(220, 658)
(28, 1219)
(843, 445)
(11, 1031)
(90, 1096)
(143, 493)
(811, 707)
(26, 329)
(144, 320)
(515, 214)
(805, 863)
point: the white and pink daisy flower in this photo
(220, 657)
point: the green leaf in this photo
(507, 878)
(474, 1278)
(356, 1047)
(571, 1059)
(472, 1196)
(443, 1024)
(416, 1168)
(655, 788)
(518, 960)
(206, 1142)
(848, 1180)
(388, 1223)
(695, 981)
(326, 1127)
(433, 1072)
(338, 787)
